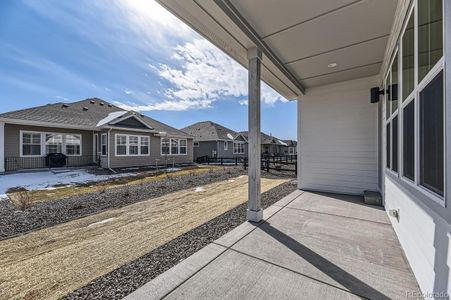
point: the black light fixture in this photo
(374, 94)
(392, 90)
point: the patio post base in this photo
(254, 215)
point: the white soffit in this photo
(305, 36)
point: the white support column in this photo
(298, 156)
(254, 211)
(2, 147)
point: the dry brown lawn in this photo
(49, 263)
(61, 192)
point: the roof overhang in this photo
(46, 124)
(305, 43)
(219, 23)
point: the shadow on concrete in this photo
(347, 198)
(348, 281)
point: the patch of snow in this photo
(230, 136)
(112, 116)
(173, 169)
(47, 179)
(231, 180)
(101, 222)
(3, 197)
(199, 189)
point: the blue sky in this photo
(130, 52)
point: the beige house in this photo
(88, 132)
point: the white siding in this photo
(424, 236)
(339, 134)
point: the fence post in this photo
(245, 163)
(236, 160)
(222, 162)
(296, 168)
(208, 160)
(267, 165)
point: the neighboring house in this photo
(270, 145)
(89, 132)
(291, 148)
(214, 140)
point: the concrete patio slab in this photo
(298, 253)
(239, 232)
(256, 280)
(349, 206)
(168, 281)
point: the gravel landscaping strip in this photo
(127, 278)
(14, 221)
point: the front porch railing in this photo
(28, 163)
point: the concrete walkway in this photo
(310, 246)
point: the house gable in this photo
(131, 122)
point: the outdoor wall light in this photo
(374, 94)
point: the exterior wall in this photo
(205, 148)
(424, 226)
(338, 130)
(146, 160)
(229, 152)
(12, 143)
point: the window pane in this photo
(73, 144)
(165, 146)
(54, 143)
(431, 136)
(73, 149)
(388, 145)
(430, 35)
(144, 145)
(395, 144)
(394, 85)
(174, 146)
(121, 150)
(133, 150)
(408, 59)
(409, 141)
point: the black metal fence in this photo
(24, 163)
(286, 163)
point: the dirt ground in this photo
(50, 263)
(67, 191)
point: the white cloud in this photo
(243, 102)
(178, 105)
(204, 74)
(128, 92)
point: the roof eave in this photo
(45, 124)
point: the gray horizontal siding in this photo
(148, 160)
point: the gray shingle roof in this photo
(266, 139)
(85, 114)
(209, 131)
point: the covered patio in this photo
(309, 246)
(339, 61)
